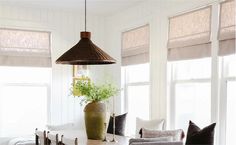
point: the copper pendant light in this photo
(85, 52)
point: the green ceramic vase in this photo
(96, 118)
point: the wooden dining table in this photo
(82, 138)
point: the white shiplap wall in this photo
(156, 14)
(65, 27)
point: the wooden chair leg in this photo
(36, 138)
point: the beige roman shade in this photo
(189, 35)
(135, 46)
(24, 48)
(227, 28)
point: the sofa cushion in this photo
(120, 122)
(196, 136)
(141, 140)
(176, 135)
(148, 124)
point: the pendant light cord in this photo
(85, 17)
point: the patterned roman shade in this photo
(189, 35)
(135, 46)
(227, 28)
(24, 48)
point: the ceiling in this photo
(99, 7)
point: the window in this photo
(24, 95)
(190, 86)
(228, 95)
(193, 92)
(227, 52)
(189, 51)
(136, 94)
(231, 109)
(25, 75)
(135, 75)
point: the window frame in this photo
(172, 88)
(224, 79)
(22, 74)
(218, 83)
(46, 85)
(127, 84)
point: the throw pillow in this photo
(196, 136)
(148, 124)
(120, 122)
(176, 135)
(141, 140)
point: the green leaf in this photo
(92, 92)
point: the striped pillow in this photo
(176, 135)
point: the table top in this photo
(82, 138)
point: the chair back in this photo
(67, 141)
(53, 139)
(40, 137)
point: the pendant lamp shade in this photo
(85, 52)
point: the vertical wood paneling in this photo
(155, 13)
(65, 28)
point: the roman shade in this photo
(227, 28)
(189, 35)
(24, 48)
(135, 46)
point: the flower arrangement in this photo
(92, 92)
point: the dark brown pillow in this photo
(120, 122)
(197, 136)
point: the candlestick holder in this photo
(114, 128)
(105, 138)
